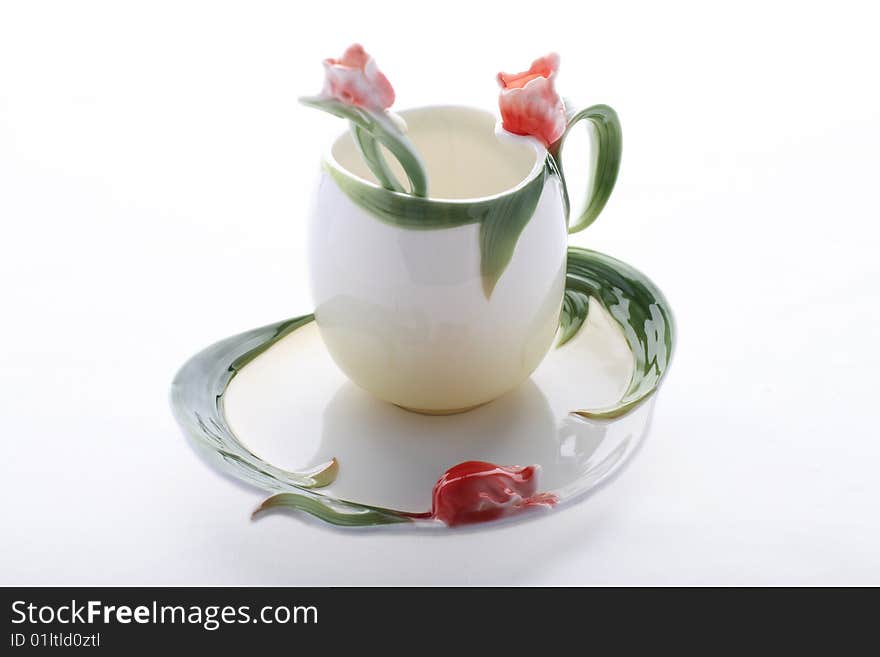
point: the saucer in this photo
(262, 404)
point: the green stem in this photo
(377, 126)
(372, 154)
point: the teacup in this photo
(443, 303)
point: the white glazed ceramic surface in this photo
(403, 311)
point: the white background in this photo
(155, 171)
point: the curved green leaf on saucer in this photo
(502, 223)
(339, 513)
(501, 218)
(609, 142)
(636, 304)
(379, 127)
(575, 305)
(322, 474)
(197, 402)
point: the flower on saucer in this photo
(529, 102)
(476, 491)
(355, 79)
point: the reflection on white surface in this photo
(293, 407)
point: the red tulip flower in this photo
(529, 102)
(476, 491)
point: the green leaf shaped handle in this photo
(610, 144)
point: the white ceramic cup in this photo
(420, 301)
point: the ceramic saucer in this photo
(265, 403)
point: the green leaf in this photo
(323, 474)
(500, 229)
(575, 305)
(639, 308)
(342, 514)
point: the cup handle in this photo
(609, 144)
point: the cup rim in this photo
(502, 134)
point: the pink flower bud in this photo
(529, 102)
(355, 79)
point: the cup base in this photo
(442, 411)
